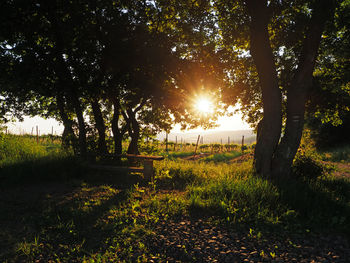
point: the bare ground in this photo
(189, 240)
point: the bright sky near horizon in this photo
(46, 125)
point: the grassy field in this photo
(55, 210)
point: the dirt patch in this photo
(242, 158)
(187, 240)
(196, 157)
(342, 169)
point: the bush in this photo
(307, 167)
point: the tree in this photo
(73, 59)
(328, 112)
(275, 30)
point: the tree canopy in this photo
(136, 66)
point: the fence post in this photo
(195, 150)
(242, 142)
(166, 142)
(37, 134)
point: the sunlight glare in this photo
(204, 105)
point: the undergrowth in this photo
(234, 194)
(84, 220)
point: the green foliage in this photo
(307, 163)
(306, 167)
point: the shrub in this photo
(307, 167)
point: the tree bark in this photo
(100, 126)
(66, 78)
(134, 132)
(261, 51)
(298, 91)
(68, 136)
(118, 133)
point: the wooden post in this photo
(175, 143)
(148, 170)
(32, 131)
(195, 150)
(242, 142)
(37, 134)
(228, 140)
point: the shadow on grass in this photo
(61, 169)
(56, 209)
(322, 203)
(57, 222)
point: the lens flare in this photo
(204, 105)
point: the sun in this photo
(204, 105)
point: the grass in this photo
(22, 159)
(221, 157)
(70, 214)
(338, 154)
(175, 155)
(234, 195)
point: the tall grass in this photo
(233, 193)
(23, 159)
(15, 148)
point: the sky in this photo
(45, 126)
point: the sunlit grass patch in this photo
(237, 200)
(175, 155)
(181, 173)
(15, 148)
(221, 157)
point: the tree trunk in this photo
(68, 136)
(81, 123)
(134, 132)
(299, 89)
(66, 78)
(117, 132)
(100, 126)
(261, 51)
